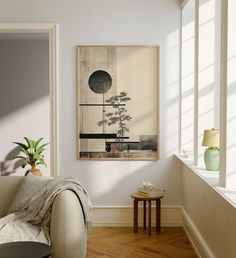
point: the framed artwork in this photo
(118, 102)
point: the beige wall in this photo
(211, 215)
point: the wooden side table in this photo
(145, 199)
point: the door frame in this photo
(52, 30)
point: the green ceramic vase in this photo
(212, 159)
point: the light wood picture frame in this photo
(117, 102)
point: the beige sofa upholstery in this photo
(68, 231)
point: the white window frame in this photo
(223, 89)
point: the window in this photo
(208, 81)
(208, 70)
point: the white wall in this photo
(210, 215)
(112, 22)
(24, 100)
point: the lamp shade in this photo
(211, 138)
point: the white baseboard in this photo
(171, 216)
(199, 244)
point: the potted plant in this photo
(32, 155)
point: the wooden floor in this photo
(107, 242)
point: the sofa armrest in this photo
(67, 230)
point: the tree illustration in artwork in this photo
(119, 116)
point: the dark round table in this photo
(24, 249)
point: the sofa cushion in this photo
(30, 186)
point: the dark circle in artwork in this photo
(100, 81)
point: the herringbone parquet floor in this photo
(108, 242)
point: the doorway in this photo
(28, 84)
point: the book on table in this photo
(154, 192)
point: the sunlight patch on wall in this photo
(103, 183)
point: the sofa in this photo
(67, 229)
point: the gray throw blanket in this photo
(32, 221)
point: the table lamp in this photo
(211, 139)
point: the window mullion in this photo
(223, 92)
(196, 65)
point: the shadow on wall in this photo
(24, 82)
(121, 186)
(8, 166)
(21, 73)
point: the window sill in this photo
(212, 179)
